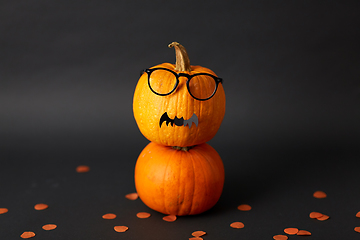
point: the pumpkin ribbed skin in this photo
(179, 182)
(149, 107)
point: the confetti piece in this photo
(357, 229)
(3, 210)
(303, 233)
(291, 231)
(121, 228)
(323, 217)
(237, 225)
(169, 218)
(27, 235)
(132, 196)
(195, 238)
(143, 215)
(198, 233)
(49, 227)
(41, 206)
(358, 215)
(82, 169)
(280, 237)
(315, 215)
(109, 216)
(319, 194)
(244, 207)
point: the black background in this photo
(68, 70)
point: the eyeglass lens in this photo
(200, 86)
(162, 81)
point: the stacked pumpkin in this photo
(179, 107)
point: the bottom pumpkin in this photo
(178, 182)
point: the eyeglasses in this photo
(163, 81)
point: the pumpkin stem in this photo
(185, 149)
(182, 58)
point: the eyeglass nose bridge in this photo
(188, 76)
(185, 75)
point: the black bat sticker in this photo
(178, 121)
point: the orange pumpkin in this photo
(179, 181)
(179, 104)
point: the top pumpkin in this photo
(179, 104)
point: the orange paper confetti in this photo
(280, 237)
(169, 218)
(315, 215)
(303, 233)
(195, 238)
(41, 206)
(244, 207)
(132, 196)
(237, 225)
(198, 233)
(319, 194)
(109, 216)
(49, 227)
(357, 229)
(27, 234)
(358, 215)
(143, 215)
(82, 169)
(323, 217)
(291, 231)
(3, 210)
(121, 228)
(319, 216)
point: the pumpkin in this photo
(172, 110)
(179, 181)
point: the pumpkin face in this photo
(179, 182)
(188, 115)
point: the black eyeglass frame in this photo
(177, 75)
